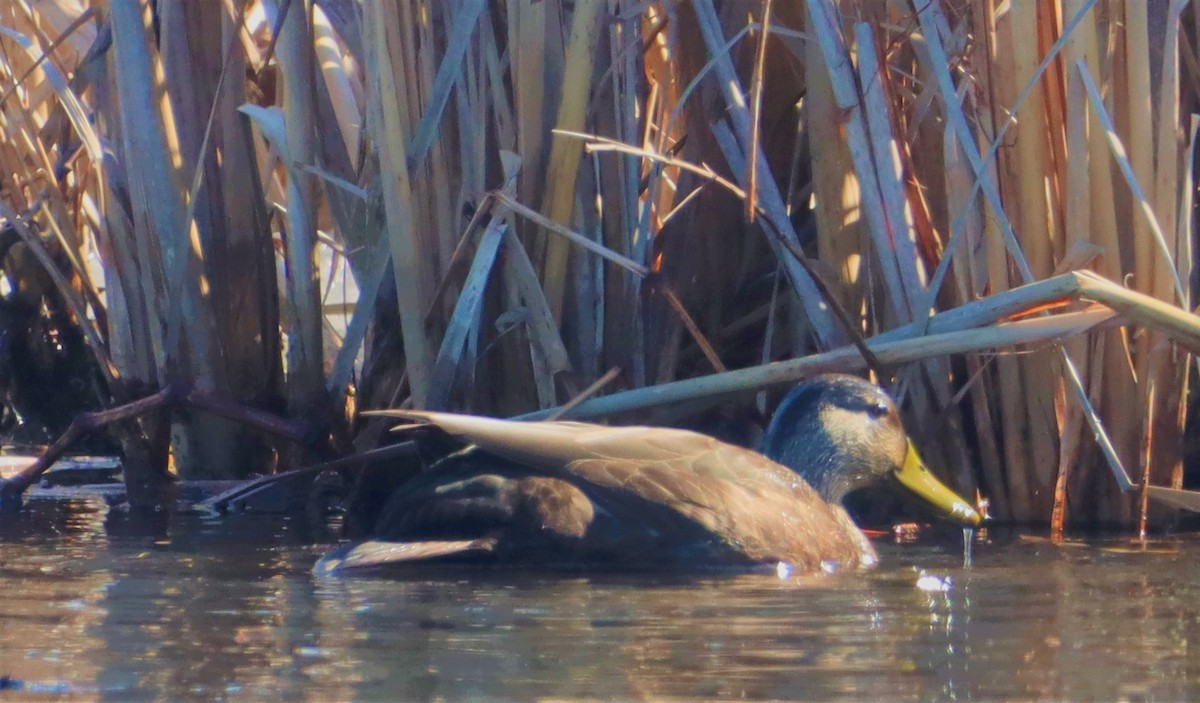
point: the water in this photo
(228, 610)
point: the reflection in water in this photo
(94, 608)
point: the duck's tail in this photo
(374, 553)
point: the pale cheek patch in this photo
(844, 428)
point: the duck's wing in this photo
(755, 507)
(758, 508)
(551, 444)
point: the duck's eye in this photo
(878, 409)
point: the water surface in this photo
(112, 609)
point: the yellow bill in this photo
(916, 477)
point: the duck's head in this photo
(842, 433)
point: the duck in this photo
(563, 493)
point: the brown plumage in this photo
(578, 493)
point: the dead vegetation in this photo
(490, 207)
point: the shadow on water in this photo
(98, 606)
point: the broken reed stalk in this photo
(704, 391)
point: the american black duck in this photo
(569, 493)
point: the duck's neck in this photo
(832, 486)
